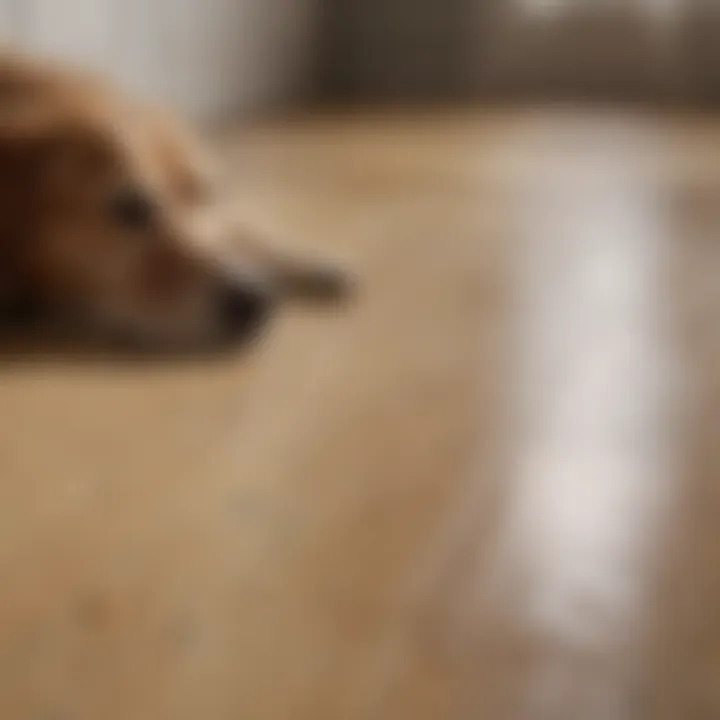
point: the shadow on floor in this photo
(21, 347)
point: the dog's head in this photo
(107, 217)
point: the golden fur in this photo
(107, 217)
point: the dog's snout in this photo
(244, 309)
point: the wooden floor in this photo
(488, 489)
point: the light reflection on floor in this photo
(590, 473)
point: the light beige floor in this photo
(488, 489)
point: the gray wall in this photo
(208, 58)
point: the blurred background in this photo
(221, 57)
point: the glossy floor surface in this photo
(488, 488)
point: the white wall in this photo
(206, 57)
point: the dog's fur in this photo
(107, 217)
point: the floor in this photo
(486, 489)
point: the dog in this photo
(109, 220)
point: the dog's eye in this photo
(133, 209)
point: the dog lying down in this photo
(108, 222)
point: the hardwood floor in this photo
(486, 489)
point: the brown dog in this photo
(107, 219)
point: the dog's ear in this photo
(37, 144)
(20, 133)
(31, 140)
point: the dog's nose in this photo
(244, 309)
